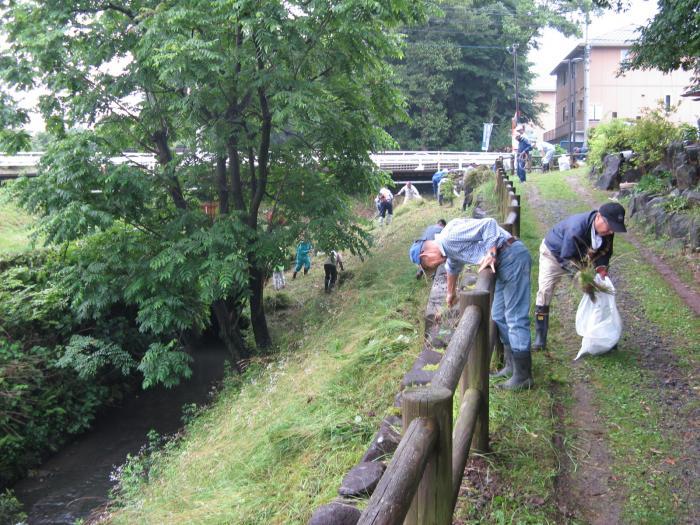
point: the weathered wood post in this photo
(476, 373)
(432, 504)
(512, 165)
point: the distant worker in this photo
(409, 191)
(524, 148)
(437, 177)
(278, 281)
(428, 235)
(547, 151)
(386, 206)
(584, 238)
(333, 260)
(303, 259)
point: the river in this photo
(75, 481)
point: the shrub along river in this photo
(76, 480)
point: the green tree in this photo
(277, 105)
(457, 72)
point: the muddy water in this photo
(75, 481)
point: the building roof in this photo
(622, 37)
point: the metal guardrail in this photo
(27, 163)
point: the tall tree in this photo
(277, 105)
(458, 71)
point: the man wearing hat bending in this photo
(483, 242)
(575, 241)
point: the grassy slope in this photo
(14, 228)
(274, 448)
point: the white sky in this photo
(554, 46)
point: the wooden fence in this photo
(422, 482)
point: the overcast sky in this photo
(554, 47)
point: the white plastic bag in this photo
(598, 322)
(564, 163)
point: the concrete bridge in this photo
(414, 166)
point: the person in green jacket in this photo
(303, 250)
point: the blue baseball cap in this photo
(414, 251)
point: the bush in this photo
(650, 135)
(606, 138)
(649, 182)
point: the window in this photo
(563, 114)
(614, 114)
(667, 102)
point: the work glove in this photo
(569, 267)
(602, 271)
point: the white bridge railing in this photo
(435, 160)
(27, 163)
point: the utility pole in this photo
(586, 79)
(514, 51)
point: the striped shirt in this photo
(466, 241)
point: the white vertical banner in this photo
(488, 127)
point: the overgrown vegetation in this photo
(647, 136)
(280, 438)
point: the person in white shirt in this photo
(547, 151)
(330, 268)
(409, 191)
(386, 206)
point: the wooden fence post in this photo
(432, 504)
(476, 373)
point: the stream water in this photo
(75, 481)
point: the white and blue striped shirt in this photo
(466, 241)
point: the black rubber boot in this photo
(522, 373)
(294, 275)
(507, 370)
(541, 327)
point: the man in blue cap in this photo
(577, 240)
(483, 242)
(428, 235)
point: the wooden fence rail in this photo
(421, 484)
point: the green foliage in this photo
(277, 116)
(162, 364)
(654, 183)
(676, 204)
(647, 136)
(457, 71)
(40, 406)
(447, 190)
(11, 511)
(606, 138)
(688, 132)
(655, 50)
(651, 134)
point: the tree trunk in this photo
(229, 334)
(257, 311)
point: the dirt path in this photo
(672, 383)
(585, 487)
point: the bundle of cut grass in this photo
(585, 278)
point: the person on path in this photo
(584, 238)
(303, 259)
(437, 177)
(428, 235)
(333, 260)
(386, 206)
(547, 151)
(524, 148)
(409, 191)
(483, 242)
